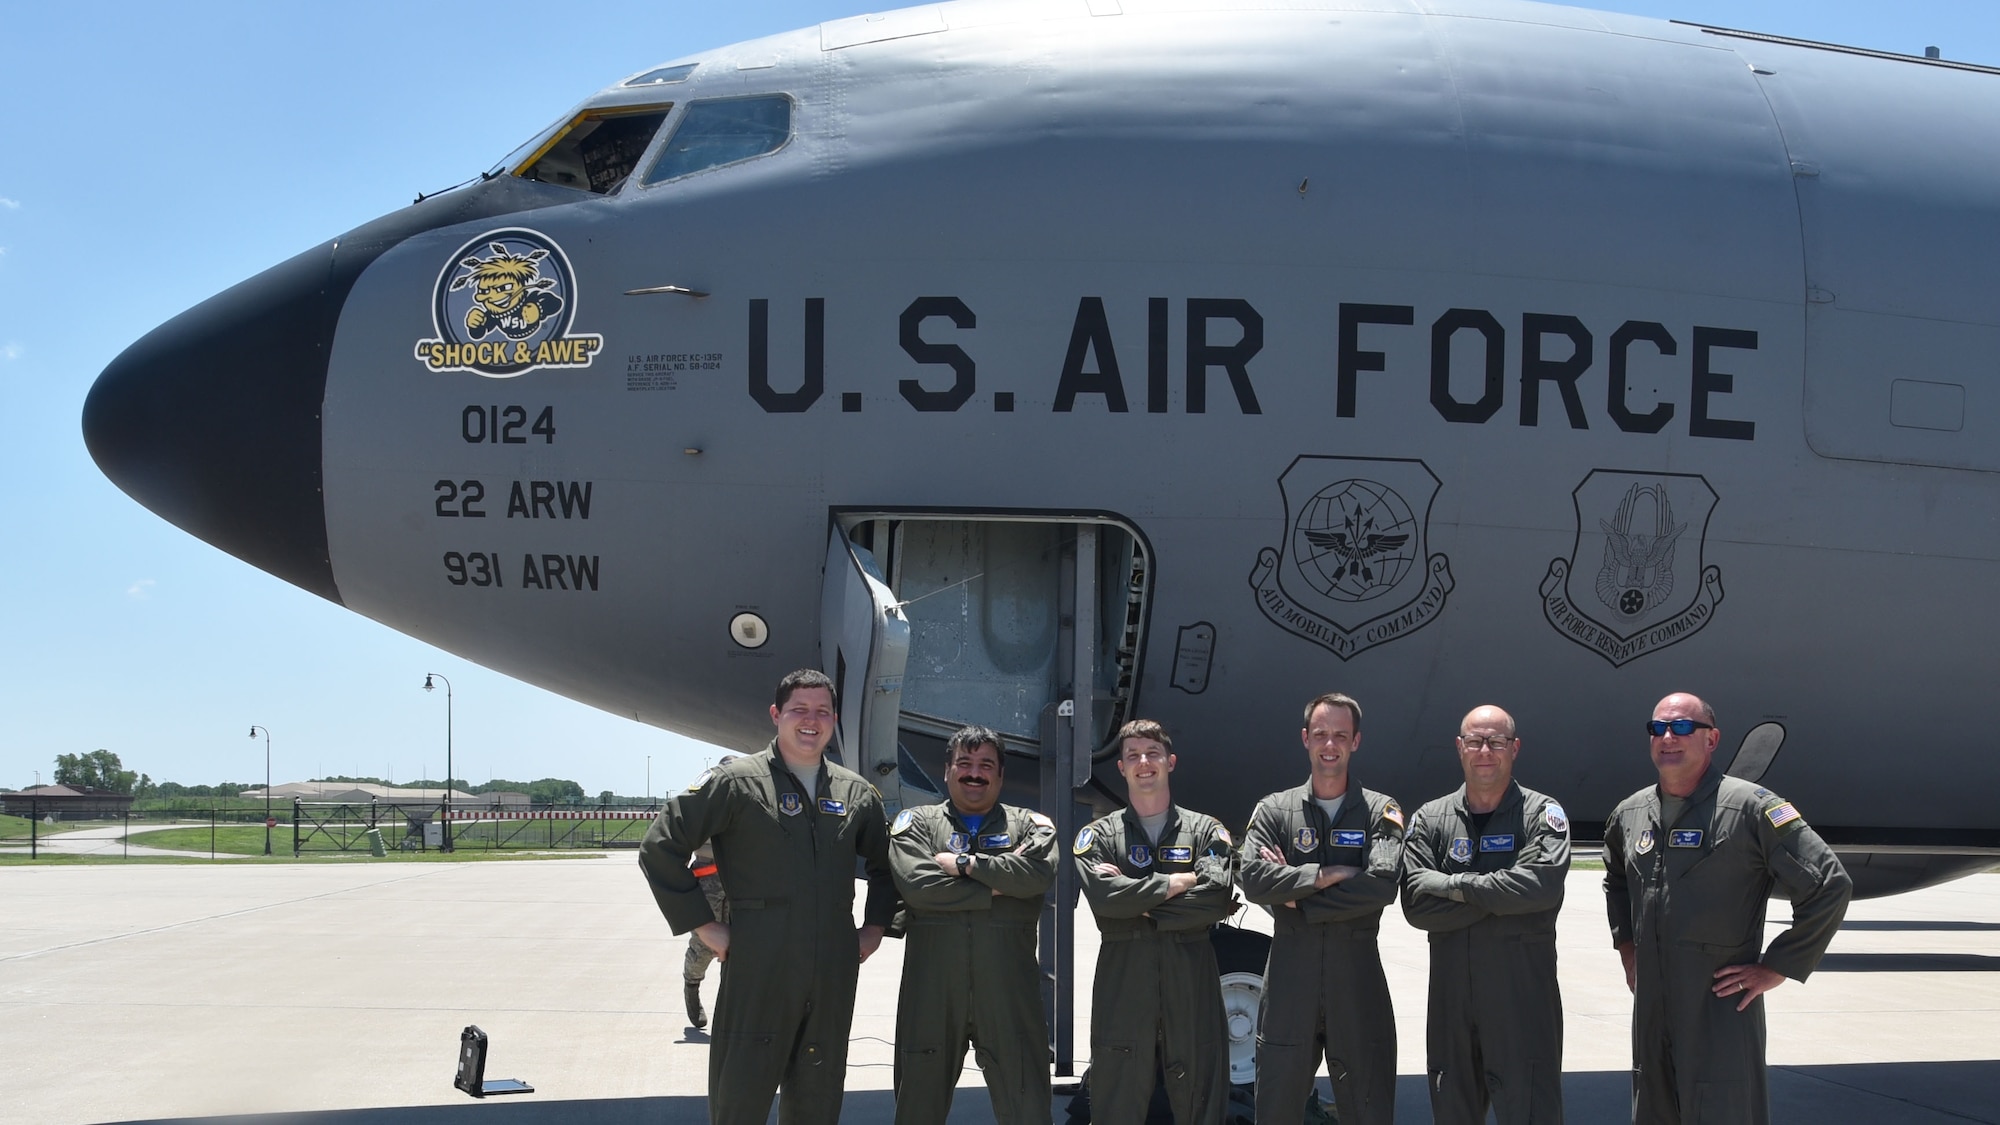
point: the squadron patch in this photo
(1684, 838)
(1461, 849)
(698, 782)
(1140, 855)
(1307, 839)
(1781, 814)
(1556, 818)
(902, 822)
(1645, 841)
(1349, 838)
(502, 306)
(790, 804)
(1084, 838)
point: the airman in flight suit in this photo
(790, 953)
(1157, 877)
(1327, 878)
(1483, 873)
(1689, 868)
(972, 873)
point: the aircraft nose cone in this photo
(212, 420)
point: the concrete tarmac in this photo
(334, 993)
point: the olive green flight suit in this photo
(1691, 897)
(1489, 899)
(1156, 1006)
(1323, 987)
(971, 971)
(787, 864)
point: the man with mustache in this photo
(786, 826)
(1157, 877)
(972, 873)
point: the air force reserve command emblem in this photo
(1352, 571)
(503, 306)
(1636, 581)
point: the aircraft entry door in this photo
(864, 643)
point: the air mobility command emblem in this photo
(1306, 839)
(1353, 571)
(1140, 855)
(503, 306)
(1636, 581)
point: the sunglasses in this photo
(1682, 727)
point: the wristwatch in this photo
(964, 862)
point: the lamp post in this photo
(254, 728)
(428, 686)
(649, 779)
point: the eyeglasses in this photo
(1682, 727)
(1475, 743)
(1145, 756)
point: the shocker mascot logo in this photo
(502, 307)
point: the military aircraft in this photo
(1048, 364)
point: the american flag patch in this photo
(1781, 814)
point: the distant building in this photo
(66, 802)
(361, 792)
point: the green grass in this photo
(230, 839)
(13, 827)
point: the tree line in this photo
(102, 769)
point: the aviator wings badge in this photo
(1353, 572)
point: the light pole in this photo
(649, 779)
(254, 728)
(428, 686)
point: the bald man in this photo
(1689, 867)
(1483, 873)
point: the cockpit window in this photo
(597, 150)
(665, 75)
(724, 131)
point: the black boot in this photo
(697, 1018)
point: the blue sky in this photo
(152, 155)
